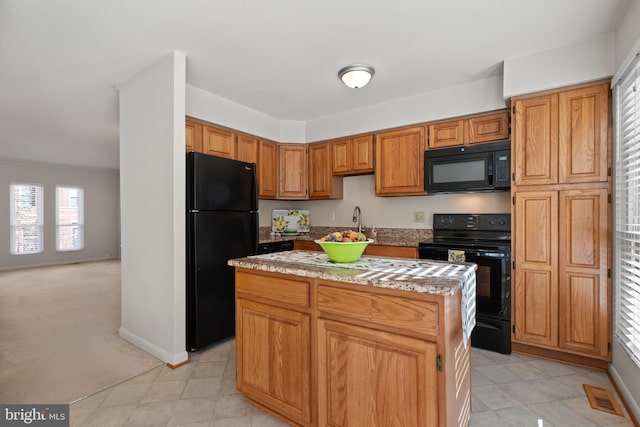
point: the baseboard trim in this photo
(173, 359)
(627, 398)
(559, 356)
(169, 365)
(51, 264)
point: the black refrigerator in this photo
(222, 223)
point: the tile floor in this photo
(511, 390)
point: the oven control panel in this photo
(480, 222)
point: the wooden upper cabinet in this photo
(353, 156)
(193, 136)
(399, 166)
(535, 147)
(488, 127)
(446, 134)
(341, 155)
(584, 117)
(247, 149)
(267, 169)
(292, 171)
(562, 137)
(322, 183)
(218, 142)
(474, 129)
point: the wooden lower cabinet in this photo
(561, 288)
(273, 345)
(374, 378)
(322, 353)
(273, 356)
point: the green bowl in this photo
(344, 252)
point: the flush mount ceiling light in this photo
(356, 76)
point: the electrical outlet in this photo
(418, 216)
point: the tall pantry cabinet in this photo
(561, 187)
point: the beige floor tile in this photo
(164, 391)
(233, 405)
(209, 369)
(201, 387)
(525, 370)
(266, 420)
(233, 422)
(126, 394)
(560, 415)
(152, 414)
(112, 416)
(93, 401)
(194, 411)
(180, 373)
(494, 397)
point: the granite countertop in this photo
(432, 277)
(386, 236)
(440, 278)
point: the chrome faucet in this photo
(357, 217)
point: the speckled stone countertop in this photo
(386, 236)
(433, 277)
(439, 278)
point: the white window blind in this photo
(25, 218)
(69, 218)
(627, 207)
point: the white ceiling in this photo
(61, 61)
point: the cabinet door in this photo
(193, 136)
(341, 156)
(218, 142)
(392, 380)
(273, 346)
(488, 127)
(584, 118)
(399, 167)
(266, 170)
(536, 278)
(247, 149)
(536, 140)
(362, 154)
(292, 171)
(322, 183)
(583, 291)
(446, 134)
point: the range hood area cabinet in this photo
(561, 215)
(476, 129)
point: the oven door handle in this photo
(486, 254)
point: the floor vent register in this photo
(602, 399)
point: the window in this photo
(69, 218)
(25, 218)
(627, 208)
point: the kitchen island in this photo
(377, 342)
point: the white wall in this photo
(101, 229)
(212, 108)
(475, 97)
(152, 171)
(625, 372)
(584, 61)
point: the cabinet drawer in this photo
(382, 310)
(272, 288)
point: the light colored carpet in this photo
(59, 334)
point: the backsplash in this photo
(385, 236)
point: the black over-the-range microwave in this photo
(482, 167)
